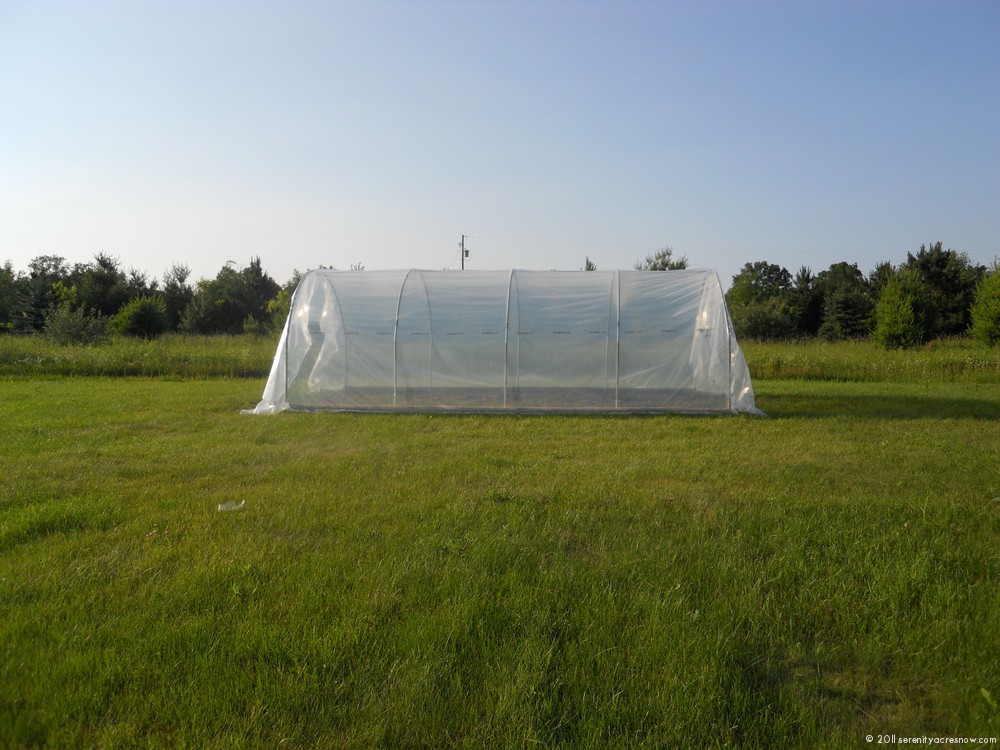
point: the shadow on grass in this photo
(877, 406)
(48, 521)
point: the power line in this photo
(569, 244)
(610, 246)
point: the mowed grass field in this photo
(498, 581)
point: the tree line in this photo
(934, 293)
(86, 302)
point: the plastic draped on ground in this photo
(509, 341)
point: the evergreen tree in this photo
(102, 286)
(144, 317)
(986, 308)
(879, 277)
(177, 294)
(8, 296)
(896, 325)
(950, 279)
(662, 260)
(847, 306)
(35, 293)
(924, 311)
(139, 284)
(805, 301)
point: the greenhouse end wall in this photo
(509, 341)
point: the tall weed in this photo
(173, 355)
(940, 361)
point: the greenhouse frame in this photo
(509, 341)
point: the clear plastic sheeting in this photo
(509, 341)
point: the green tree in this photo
(924, 311)
(224, 304)
(35, 293)
(8, 296)
(102, 286)
(758, 302)
(769, 320)
(757, 282)
(139, 284)
(879, 277)
(143, 317)
(662, 260)
(847, 304)
(896, 325)
(279, 306)
(950, 279)
(177, 293)
(805, 302)
(201, 314)
(986, 308)
(590, 265)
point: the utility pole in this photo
(465, 253)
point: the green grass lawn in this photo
(496, 581)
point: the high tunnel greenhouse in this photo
(509, 341)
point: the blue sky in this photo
(333, 133)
